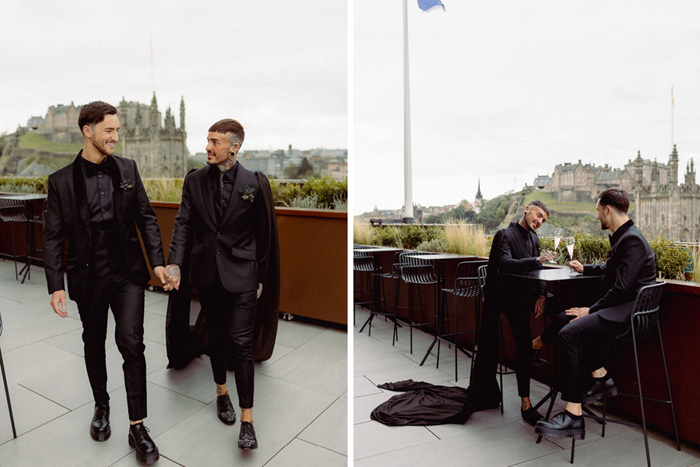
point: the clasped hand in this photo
(171, 277)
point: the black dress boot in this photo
(224, 409)
(139, 439)
(247, 439)
(602, 387)
(564, 425)
(99, 427)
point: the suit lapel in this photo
(80, 191)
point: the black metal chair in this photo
(394, 274)
(7, 390)
(13, 211)
(363, 262)
(643, 324)
(416, 271)
(464, 287)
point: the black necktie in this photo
(226, 187)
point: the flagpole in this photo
(673, 105)
(407, 167)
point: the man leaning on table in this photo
(629, 267)
(514, 249)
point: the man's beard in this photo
(102, 148)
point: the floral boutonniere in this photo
(247, 193)
(126, 184)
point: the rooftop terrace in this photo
(300, 393)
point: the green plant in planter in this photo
(413, 235)
(387, 236)
(164, 189)
(590, 249)
(362, 233)
(436, 245)
(671, 259)
(465, 239)
(12, 184)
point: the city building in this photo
(666, 208)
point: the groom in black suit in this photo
(222, 218)
(514, 249)
(96, 203)
(584, 340)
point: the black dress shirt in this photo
(99, 189)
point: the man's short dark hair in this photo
(615, 198)
(230, 127)
(540, 205)
(93, 113)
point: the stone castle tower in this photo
(670, 210)
(160, 150)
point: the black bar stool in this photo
(464, 287)
(416, 271)
(394, 274)
(643, 323)
(363, 262)
(13, 211)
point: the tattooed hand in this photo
(172, 277)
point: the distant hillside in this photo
(572, 217)
(35, 156)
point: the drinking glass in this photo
(557, 238)
(570, 244)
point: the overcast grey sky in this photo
(505, 90)
(280, 67)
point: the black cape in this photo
(184, 343)
(422, 404)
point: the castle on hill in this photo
(663, 206)
(157, 144)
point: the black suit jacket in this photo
(234, 243)
(510, 252)
(503, 294)
(68, 218)
(629, 267)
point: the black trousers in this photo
(111, 286)
(230, 318)
(584, 345)
(519, 322)
(552, 330)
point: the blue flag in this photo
(430, 5)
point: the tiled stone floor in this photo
(488, 438)
(300, 393)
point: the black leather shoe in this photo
(562, 426)
(146, 449)
(247, 439)
(224, 409)
(530, 415)
(99, 427)
(536, 360)
(600, 389)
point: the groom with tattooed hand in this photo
(223, 223)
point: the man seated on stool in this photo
(584, 340)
